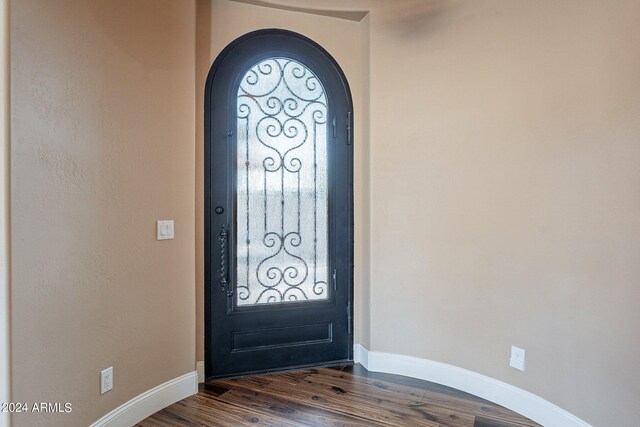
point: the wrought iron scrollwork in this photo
(282, 136)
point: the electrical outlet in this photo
(517, 358)
(106, 380)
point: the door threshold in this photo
(279, 370)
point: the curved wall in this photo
(505, 207)
(103, 116)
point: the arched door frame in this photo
(262, 43)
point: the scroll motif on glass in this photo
(281, 185)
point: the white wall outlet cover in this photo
(517, 358)
(106, 380)
(165, 230)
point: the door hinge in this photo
(335, 132)
(335, 281)
(349, 128)
(349, 318)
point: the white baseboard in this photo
(511, 397)
(200, 371)
(150, 402)
(361, 355)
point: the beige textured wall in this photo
(504, 203)
(103, 112)
(5, 241)
(506, 193)
(222, 21)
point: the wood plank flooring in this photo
(345, 396)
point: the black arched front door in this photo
(278, 207)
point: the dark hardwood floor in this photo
(338, 396)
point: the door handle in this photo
(224, 286)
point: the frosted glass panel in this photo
(281, 185)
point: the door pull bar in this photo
(224, 287)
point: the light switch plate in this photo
(165, 230)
